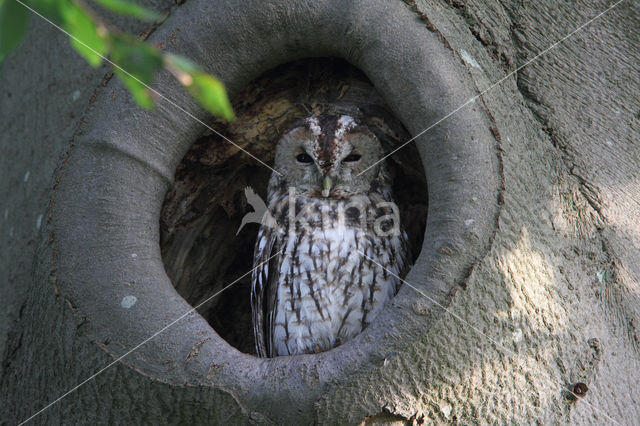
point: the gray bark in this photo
(541, 293)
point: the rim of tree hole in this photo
(104, 227)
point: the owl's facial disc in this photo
(324, 156)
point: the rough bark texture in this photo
(556, 297)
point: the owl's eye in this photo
(304, 158)
(351, 158)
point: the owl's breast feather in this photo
(327, 291)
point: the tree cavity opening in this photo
(203, 211)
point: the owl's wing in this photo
(264, 284)
(403, 258)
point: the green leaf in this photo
(86, 39)
(13, 23)
(136, 57)
(141, 61)
(206, 89)
(182, 64)
(124, 7)
(140, 93)
(210, 93)
(48, 8)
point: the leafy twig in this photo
(93, 41)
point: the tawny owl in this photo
(312, 289)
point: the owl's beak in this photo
(326, 186)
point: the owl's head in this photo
(324, 156)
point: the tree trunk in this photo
(528, 279)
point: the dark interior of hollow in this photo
(203, 211)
